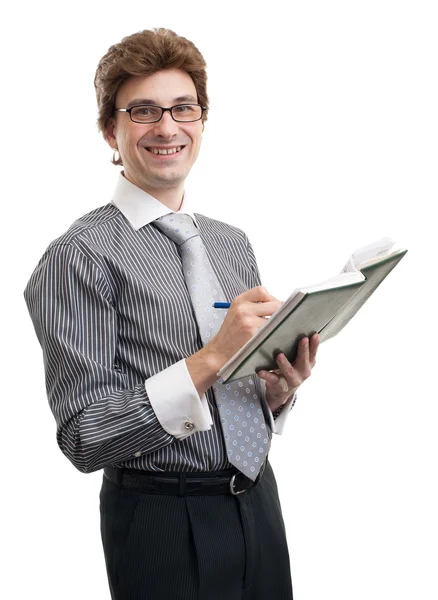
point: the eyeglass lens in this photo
(182, 112)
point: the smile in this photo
(165, 151)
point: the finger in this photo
(258, 294)
(274, 379)
(288, 371)
(313, 349)
(268, 376)
(302, 363)
(256, 309)
(264, 309)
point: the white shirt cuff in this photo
(282, 417)
(176, 402)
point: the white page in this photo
(369, 254)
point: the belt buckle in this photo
(233, 491)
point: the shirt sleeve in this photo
(280, 421)
(102, 417)
(277, 425)
(176, 401)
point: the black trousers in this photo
(219, 547)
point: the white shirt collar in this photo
(139, 207)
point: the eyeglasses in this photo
(149, 113)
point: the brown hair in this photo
(144, 53)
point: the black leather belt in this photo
(230, 481)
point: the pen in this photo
(221, 305)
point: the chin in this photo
(174, 178)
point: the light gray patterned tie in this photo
(247, 438)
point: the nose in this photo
(166, 126)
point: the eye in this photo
(145, 111)
(184, 108)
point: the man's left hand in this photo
(282, 383)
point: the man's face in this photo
(149, 171)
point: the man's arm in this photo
(102, 416)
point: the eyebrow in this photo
(136, 101)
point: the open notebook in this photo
(324, 308)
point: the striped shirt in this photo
(112, 313)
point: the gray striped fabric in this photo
(110, 308)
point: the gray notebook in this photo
(324, 308)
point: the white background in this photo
(347, 155)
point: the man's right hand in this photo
(245, 316)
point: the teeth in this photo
(165, 150)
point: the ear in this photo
(110, 133)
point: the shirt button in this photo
(137, 454)
(189, 426)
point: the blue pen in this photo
(222, 305)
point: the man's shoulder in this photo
(88, 225)
(81, 241)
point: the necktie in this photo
(247, 438)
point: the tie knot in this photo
(177, 226)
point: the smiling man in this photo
(123, 306)
(158, 156)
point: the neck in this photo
(171, 197)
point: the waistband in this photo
(229, 481)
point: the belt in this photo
(230, 481)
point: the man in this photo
(123, 306)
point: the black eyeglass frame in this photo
(163, 110)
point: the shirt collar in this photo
(140, 208)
